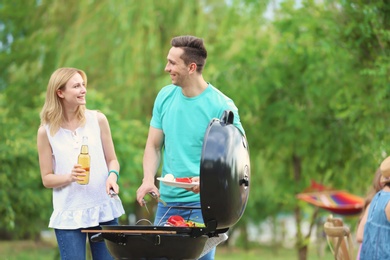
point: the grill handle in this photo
(97, 238)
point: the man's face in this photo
(176, 67)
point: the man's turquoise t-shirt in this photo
(184, 122)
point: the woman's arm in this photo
(362, 223)
(387, 210)
(109, 153)
(49, 179)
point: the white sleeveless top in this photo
(81, 206)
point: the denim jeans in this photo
(72, 243)
(164, 212)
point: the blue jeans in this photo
(72, 243)
(164, 212)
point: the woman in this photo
(376, 187)
(376, 234)
(64, 122)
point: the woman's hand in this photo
(77, 173)
(111, 184)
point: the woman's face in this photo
(74, 92)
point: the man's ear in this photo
(192, 68)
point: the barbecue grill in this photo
(224, 190)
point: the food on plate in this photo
(169, 177)
(179, 221)
(186, 180)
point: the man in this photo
(181, 114)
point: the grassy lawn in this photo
(30, 250)
(266, 253)
(26, 250)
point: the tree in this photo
(311, 86)
(122, 47)
(313, 111)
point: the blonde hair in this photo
(52, 111)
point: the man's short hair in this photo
(194, 50)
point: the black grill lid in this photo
(224, 173)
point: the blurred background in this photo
(310, 79)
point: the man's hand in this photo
(144, 189)
(196, 188)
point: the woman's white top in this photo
(81, 206)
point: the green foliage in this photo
(312, 87)
(129, 48)
(313, 110)
(22, 195)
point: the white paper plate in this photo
(184, 185)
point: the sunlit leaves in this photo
(311, 83)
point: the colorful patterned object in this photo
(338, 202)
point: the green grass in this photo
(266, 253)
(26, 250)
(30, 250)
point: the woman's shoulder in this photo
(95, 117)
(101, 118)
(95, 113)
(42, 130)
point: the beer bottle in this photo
(85, 160)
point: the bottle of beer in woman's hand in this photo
(85, 160)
